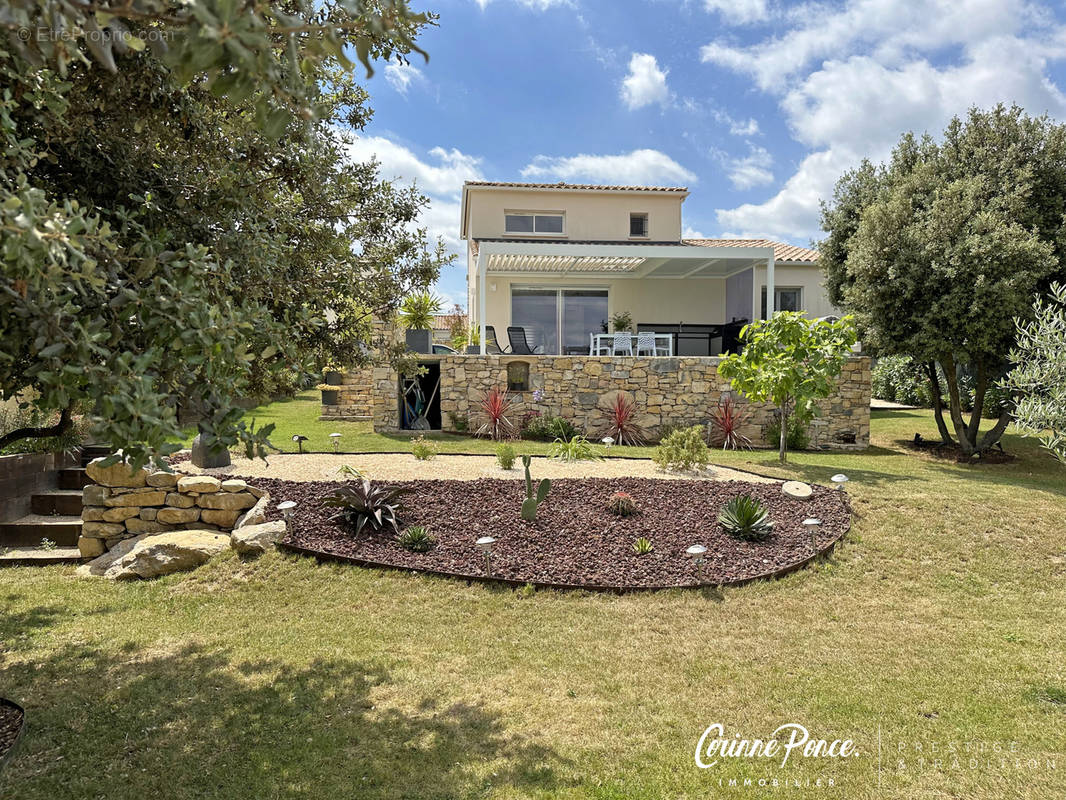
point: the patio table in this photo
(605, 341)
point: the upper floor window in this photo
(529, 222)
(638, 224)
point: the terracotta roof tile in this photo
(782, 251)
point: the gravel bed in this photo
(575, 541)
(405, 467)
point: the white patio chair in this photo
(622, 344)
(598, 345)
(646, 344)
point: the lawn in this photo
(939, 625)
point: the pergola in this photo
(660, 260)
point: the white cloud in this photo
(645, 84)
(739, 12)
(639, 167)
(748, 127)
(752, 170)
(894, 68)
(535, 5)
(441, 175)
(691, 233)
(400, 76)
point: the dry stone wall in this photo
(668, 393)
(124, 503)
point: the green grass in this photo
(940, 621)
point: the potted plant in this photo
(333, 376)
(330, 394)
(473, 347)
(416, 314)
(622, 322)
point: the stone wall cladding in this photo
(355, 398)
(668, 392)
(123, 503)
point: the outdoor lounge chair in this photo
(491, 345)
(519, 344)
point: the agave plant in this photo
(642, 546)
(417, 539)
(361, 503)
(495, 404)
(622, 425)
(746, 518)
(726, 421)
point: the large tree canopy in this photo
(160, 244)
(938, 251)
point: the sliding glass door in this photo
(559, 320)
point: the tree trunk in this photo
(38, 433)
(782, 454)
(938, 407)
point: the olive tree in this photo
(938, 251)
(1038, 377)
(790, 361)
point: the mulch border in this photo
(320, 555)
(7, 755)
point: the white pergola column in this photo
(769, 285)
(482, 269)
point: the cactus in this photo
(622, 504)
(529, 505)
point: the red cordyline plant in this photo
(726, 421)
(622, 425)
(495, 404)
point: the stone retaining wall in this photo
(124, 503)
(355, 398)
(668, 392)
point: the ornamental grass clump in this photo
(576, 449)
(417, 539)
(683, 450)
(642, 546)
(726, 421)
(622, 425)
(495, 405)
(745, 518)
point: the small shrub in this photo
(642, 546)
(505, 456)
(542, 428)
(576, 449)
(417, 539)
(423, 450)
(726, 421)
(683, 449)
(460, 422)
(361, 503)
(797, 437)
(622, 504)
(745, 518)
(900, 379)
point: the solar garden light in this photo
(812, 524)
(607, 442)
(697, 553)
(839, 479)
(299, 439)
(286, 508)
(335, 439)
(485, 544)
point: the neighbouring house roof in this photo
(782, 252)
(585, 187)
(443, 322)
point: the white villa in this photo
(559, 260)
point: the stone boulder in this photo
(118, 474)
(256, 515)
(256, 539)
(229, 501)
(152, 555)
(162, 480)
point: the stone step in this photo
(37, 556)
(73, 478)
(64, 502)
(30, 530)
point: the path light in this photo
(299, 439)
(607, 442)
(839, 479)
(697, 553)
(286, 507)
(335, 438)
(485, 544)
(812, 524)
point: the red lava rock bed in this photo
(575, 541)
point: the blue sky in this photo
(755, 105)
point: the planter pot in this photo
(420, 341)
(331, 397)
(473, 350)
(334, 378)
(204, 458)
(9, 743)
